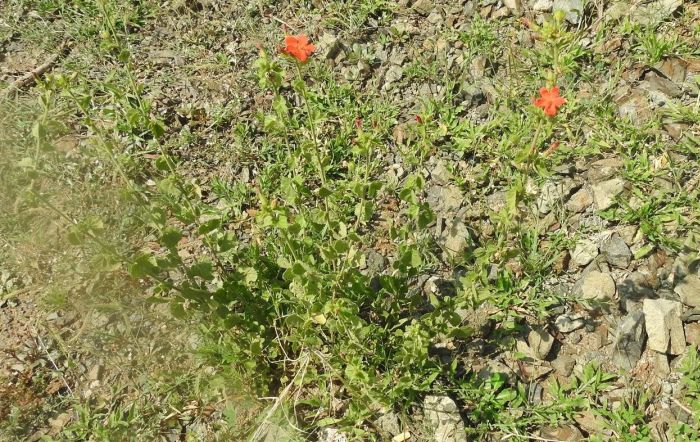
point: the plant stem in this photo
(312, 128)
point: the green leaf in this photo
(170, 237)
(209, 226)
(143, 265)
(203, 269)
(177, 309)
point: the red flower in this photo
(298, 46)
(549, 100)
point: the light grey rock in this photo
(435, 18)
(652, 14)
(393, 74)
(604, 193)
(584, 252)
(629, 341)
(569, 322)
(540, 342)
(455, 238)
(553, 193)
(597, 286)
(423, 6)
(516, 6)
(616, 251)
(389, 423)
(543, 5)
(443, 416)
(572, 8)
(664, 326)
(688, 289)
(444, 199)
(332, 435)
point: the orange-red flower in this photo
(298, 46)
(549, 100)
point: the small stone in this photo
(401, 437)
(455, 238)
(616, 251)
(540, 342)
(514, 5)
(580, 201)
(444, 418)
(629, 341)
(597, 286)
(692, 334)
(423, 7)
(543, 5)
(664, 326)
(604, 169)
(332, 435)
(568, 323)
(604, 193)
(572, 8)
(585, 252)
(444, 199)
(564, 365)
(689, 290)
(96, 372)
(435, 18)
(660, 363)
(553, 193)
(389, 423)
(566, 433)
(652, 14)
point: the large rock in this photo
(616, 251)
(664, 326)
(629, 341)
(443, 416)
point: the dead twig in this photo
(30, 77)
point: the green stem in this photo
(312, 128)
